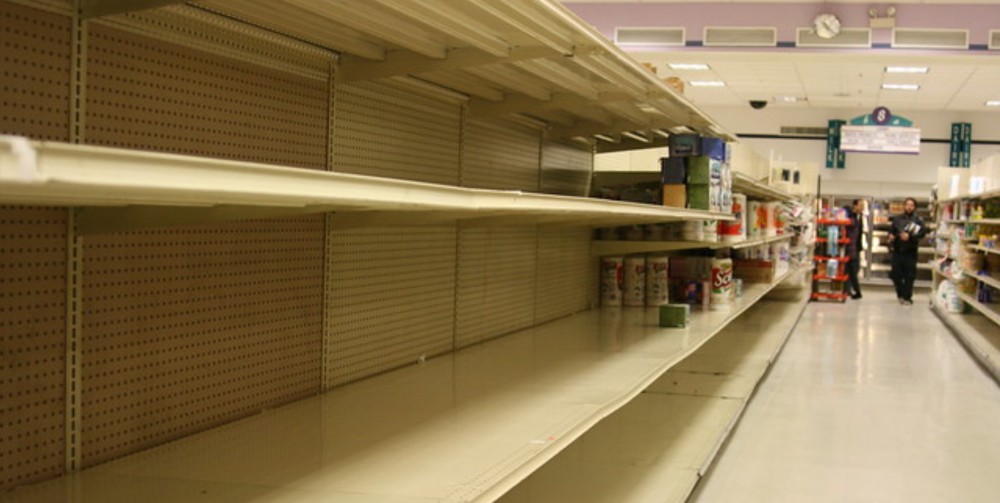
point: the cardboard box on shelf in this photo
(685, 268)
(675, 315)
(755, 271)
(699, 196)
(684, 145)
(702, 169)
(673, 170)
(675, 195)
(714, 148)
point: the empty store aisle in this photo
(870, 401)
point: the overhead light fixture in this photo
(635, 136)
(789, 99)
(906, 69)
(708, 83)
(688, 66)
(901, 87)
(993, 103)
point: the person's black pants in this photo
(904, 272)
(853, 266)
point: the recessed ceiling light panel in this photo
(688, 66)
(789, 99)
(906, 69)
(708, 83)
(901, 87)
(993, 103)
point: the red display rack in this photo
(842, 297)
(839, 279)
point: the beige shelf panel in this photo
(463, 427)
(986, 250)
(986, 310)
(987, 280)
(978, 334)
(985, 221)
(651, 448)
(604, 248)
(528, 58)
(743, 183)
(986, 195)
(173, 189)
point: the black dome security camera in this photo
(758, 104)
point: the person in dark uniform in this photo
(904, 236)
(856, 214)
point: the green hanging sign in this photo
(961, 145)
(834, 156)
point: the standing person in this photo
(855, 213)
(905, 234)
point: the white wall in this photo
(865, 174)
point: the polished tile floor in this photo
(870, 401)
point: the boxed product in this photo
(714, 148)
(673, 170)
(691, 291)
(675, 315)
(702, 169)
(685, 268)
(755, 271)
(699, 197)
(684, 145)
(675, 195)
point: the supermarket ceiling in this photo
(956, 42)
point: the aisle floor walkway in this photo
(870, 401)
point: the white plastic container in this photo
(657, 280)
(611, 280)
(634, 282)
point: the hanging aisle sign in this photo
(882, 133)
(834, 156)
(961, 145)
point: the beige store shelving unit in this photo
(214, 209)
(979, 329)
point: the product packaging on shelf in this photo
(735, 230)
(754, 221)
(722, 283)
(675, 315)
(657, 280)
(611, 280)
(634, 282)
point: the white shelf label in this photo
(880, 139)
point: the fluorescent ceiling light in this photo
(993, 103)
(688, 66)
(906, 69)
(789, 99)
(901, 87)
(708, 83)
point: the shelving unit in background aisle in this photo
(979, 290)
(880, 262)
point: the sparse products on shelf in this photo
(675, 315)
(755, 221)
(634, 282)
(736, 230)
(657, 280)
(611, 280)
(722, 283)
